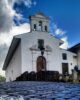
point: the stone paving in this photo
(39, 91)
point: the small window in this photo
(40, 43)
(46, 28)
(71, 63)
(64, 56)
(34, 27)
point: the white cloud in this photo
(7, 13)
(7, 37)
(5, 16)
(2, 72)
(23, 28)
(58, 31)
(34, 3)
(27, 3)
(65, 45)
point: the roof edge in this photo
(14, 44)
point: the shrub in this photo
(2, 79)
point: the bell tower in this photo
(39, 22)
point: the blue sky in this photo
(64, 13)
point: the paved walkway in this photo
(39, 91)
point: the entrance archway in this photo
(41, 63)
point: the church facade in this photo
(39, 51)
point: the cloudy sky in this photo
(64, 15)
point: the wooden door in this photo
(65, 69)
(41, 64)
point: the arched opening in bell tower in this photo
(40, 26)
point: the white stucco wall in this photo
(30, 39)
(78, 59)
(24, 60)
(14, 68)
(72, 62)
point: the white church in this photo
(39, 51)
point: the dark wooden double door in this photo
(65, 69)
(41, 63)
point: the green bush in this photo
(2, 79)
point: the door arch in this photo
(41, 63)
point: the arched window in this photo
(40, 23)
(34, 27)
(40, 26)
(46, 28)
